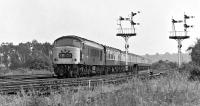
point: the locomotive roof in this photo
(76, 37)
(69, 36)
(81, 39)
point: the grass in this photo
(172, 90)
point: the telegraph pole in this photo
(126, 33)
(180, 38)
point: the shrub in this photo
(195, 52)
(192, 69)
(39, 61)
(164, 65)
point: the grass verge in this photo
(171, 90)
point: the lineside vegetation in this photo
(174, 89)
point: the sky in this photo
(46, 20)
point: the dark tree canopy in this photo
(195, 53)
(32, 55)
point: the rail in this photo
(13, 86)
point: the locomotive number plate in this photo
(65, 55)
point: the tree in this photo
(164, 65)
(195, 53)
(32, 55)
(194, 66)
(40, 56)
(6, 49)
(39, 61)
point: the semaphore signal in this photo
(126, 33)
(180, 38)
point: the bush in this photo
(195, 52)
(192, 69)
(39, 61)
(195, 73)
(164, 65)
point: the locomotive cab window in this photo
(67, 42)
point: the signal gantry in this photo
(126, 33)
(180, 38)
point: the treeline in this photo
(33, 55)
(192, 67)
(164, 65)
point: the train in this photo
(74, 56)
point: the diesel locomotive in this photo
(74, 56)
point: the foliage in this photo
(5, 50)
(192, 69)
(164, 65)
(195, 52)
(194, 66)
(39, 61)
(32, 55)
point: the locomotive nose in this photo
(66, 55)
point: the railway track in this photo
(8, 85)
(12, 85)
(35, 76)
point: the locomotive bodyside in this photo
(93, 54)
(93, 58)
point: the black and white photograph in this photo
(99, 53)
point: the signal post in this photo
(180, 38)
(126, 33)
